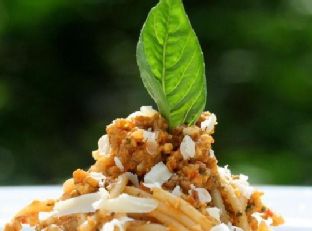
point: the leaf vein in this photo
(164, 51)
(189, 89)
(181, 54)
(197, 97)
(183, 73)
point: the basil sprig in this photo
(171, 63)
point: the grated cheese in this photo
(80, 204)
(214, 212)
(152, 185)
(187, 147)
(259, 218)
(243, 186)
(147, 111)
(133, 178)
(99, 177)
(220, 227)
(151, 144)
(208, 124)
(120, 223)
(177, 191)
(104, 146)
(119, 164)
(203, 194)
(125, 203)
(159, 173)
(225, 172)
(241, 183)
(149, 136)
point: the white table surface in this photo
(294, 203)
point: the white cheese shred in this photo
(99, 177)
(208, 124)
(125, 203)
(225, 172)
(159, 173)
(214, 212)
(177, 191)
(79, 204)
(187, 147)
(152, 185)
(149, 136)
(133, 178)
(104, 146)
(120, 223)
(119, 164)
(203, 194)
(241, 183)
(220, 227)
(146, 111)
(243, 186)
(151, 142)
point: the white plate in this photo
(294, 203)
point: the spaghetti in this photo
(147, 178)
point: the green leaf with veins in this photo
(171, 63)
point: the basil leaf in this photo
(171, 63)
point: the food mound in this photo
(147, 177)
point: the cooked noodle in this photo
(132, 189)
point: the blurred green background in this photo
(68, 68)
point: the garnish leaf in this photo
(171, 63)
